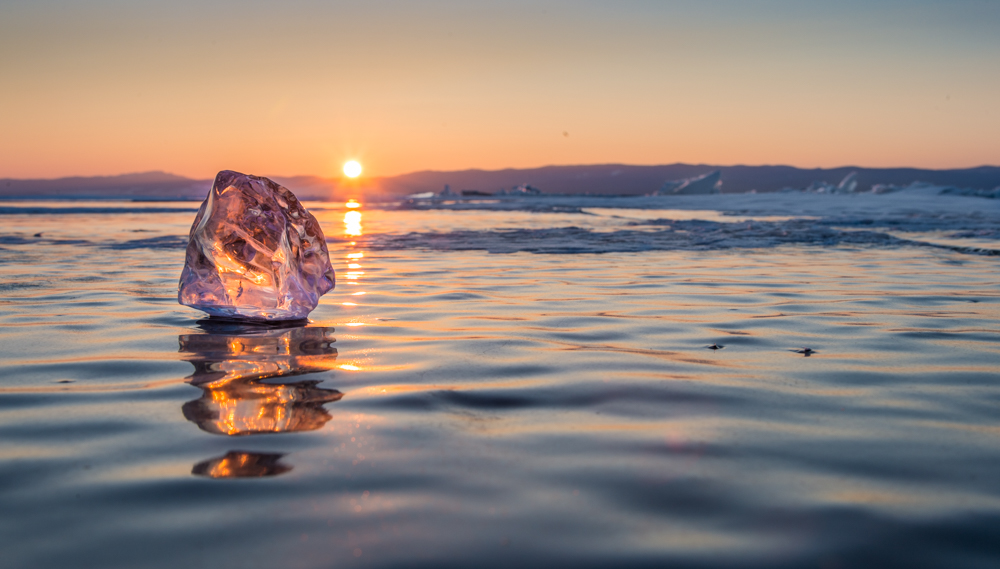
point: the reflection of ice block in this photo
(253, 407)
(237, 464)
(235, 352)
(255, 253)
(230, 363)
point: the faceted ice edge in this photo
(254, 253)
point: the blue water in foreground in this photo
(513, 388)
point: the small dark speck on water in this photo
(715, 347)
(805, 351)
(66, 381)
(38, 235)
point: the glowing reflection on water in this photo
(239, 464)
(352, 223)
(352, 258)
(230, 363)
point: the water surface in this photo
(447, 406)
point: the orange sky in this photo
(195, 87)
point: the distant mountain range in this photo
(602, 179)
(147, 185)
(618, 179)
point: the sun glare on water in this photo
(352, 223)
(352, 169)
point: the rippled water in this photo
(451, 407)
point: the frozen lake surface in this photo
(519, 383)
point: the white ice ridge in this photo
(660, 235)
(710, 183)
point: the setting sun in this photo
(352, 169)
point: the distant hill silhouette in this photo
(146, 185)
(606, 179)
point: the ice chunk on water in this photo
(254, 253)
(849, 184)
(709, 183)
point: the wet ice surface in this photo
(460, 408)
(918, 218)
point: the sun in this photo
(352, 169)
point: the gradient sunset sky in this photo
(298, 87)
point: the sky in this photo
(191, 87)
